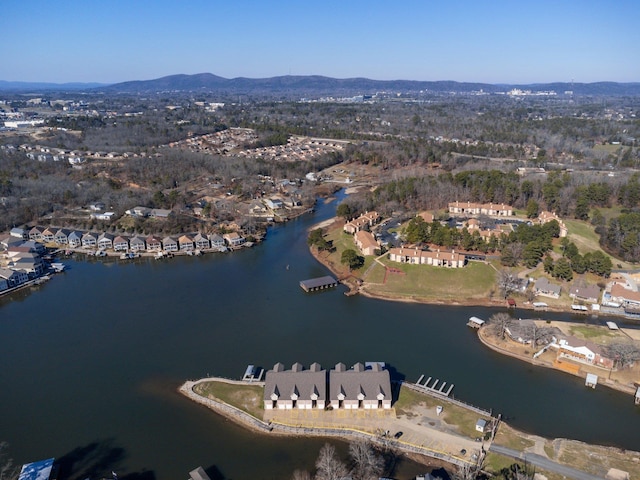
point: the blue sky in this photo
(498, 41)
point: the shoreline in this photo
(357, 286)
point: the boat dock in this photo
(253, 373)
(320, 283)
(436, 386)
(475, 322)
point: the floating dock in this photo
(436, 386)
(320, 283)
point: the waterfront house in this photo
(545, 288)
(49, 234)
(62, 236)
(185, 243)
(169, 244)
(105, 240)
(29, 263)
(585, 293)
(426, 257)
(233, 239)
(89, 240)
(153, 243)
(136, 244)
(35, 234)
(625, 296)
(9, 241)
(295, 388)
(201, 241)
(13, 278)
(365, 242)
(359, 387)
(582, 351)
(120, 244)
(4, 285)
(74, 239)
(216, 241)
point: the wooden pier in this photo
(320, 283)
(436, 386)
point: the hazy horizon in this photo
(503, 42)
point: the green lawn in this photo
(244, 397)
(476, 280)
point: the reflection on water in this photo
(91, 362)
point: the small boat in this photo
(101, 253)
(57, 267)
(438, 409)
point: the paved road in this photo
(544, 463)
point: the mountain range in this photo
(315, 85)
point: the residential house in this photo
(625, 296)
(104, 216)
(185, 243)
(169, 244)
(19, 233)
(62, 236)
(35, 234)
(581, 351)
(545, 288)
(159, 213)
(201, 241)
(234, 239)
(296, 388)
(89, 240)
(97, 207)
(360, 387)
(426, 257)
(216, 241)
(29, 263)
(366, 242)
(274, 203)
(49, 234)
(120, 244)
(153, 243)
(136, 244)
(13, 278)
(585, 293)
(4, 284)
(74, 239)
(105, 240)
(140, 212)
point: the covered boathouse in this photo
(319, 283)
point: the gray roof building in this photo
(295, 388)
(360, 387)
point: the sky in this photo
(489, 41)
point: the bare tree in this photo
(329, 465)
(623, 354)
(466, 471)
(367, 464)
(499, 322)
(507, 282)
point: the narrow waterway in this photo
(91, 360)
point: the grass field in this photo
(474, 281)
(245, 397)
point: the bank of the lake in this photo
(93, 361)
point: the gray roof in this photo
(303, 383)
(545, 285)
(585, 291)
(359, 380)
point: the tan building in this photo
(421, 257)
(546, 217)
(472, 208)
(365, 220)
(365, 242)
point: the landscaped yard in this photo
(474, 281)
(245, 397)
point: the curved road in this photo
(544, 463)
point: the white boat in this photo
(57, 267)
(438, 409)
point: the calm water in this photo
(90, 362)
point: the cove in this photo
(92, 359)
